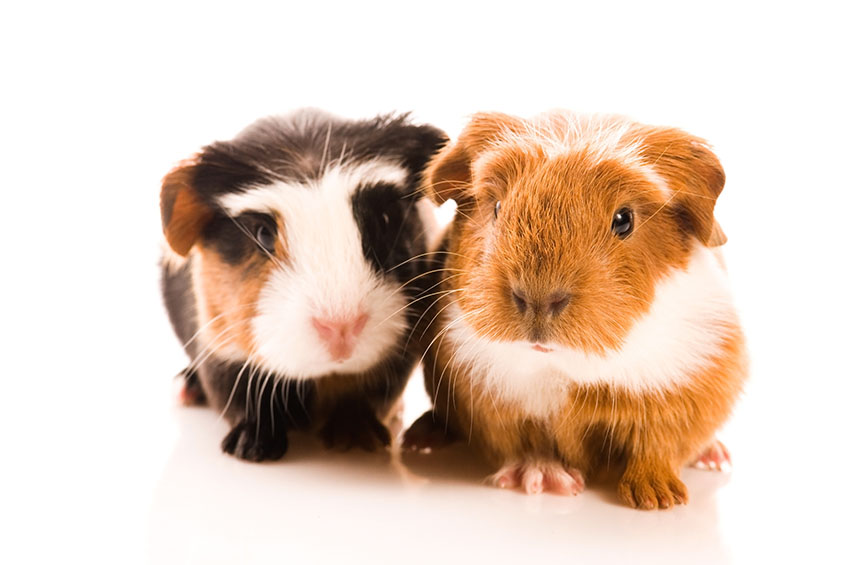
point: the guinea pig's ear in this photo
(419, 143)
(694, 175)
(717, 238)
(184, 214)
(449, 174)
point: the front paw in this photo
(652, 487)
(354, 427)
(715, 457)
(251, 442)
(535, 476)
(189, 390)
(426, 433)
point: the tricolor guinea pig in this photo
(584, 314)
(294, 253)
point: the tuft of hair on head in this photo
(684, 162)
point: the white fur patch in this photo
(338, 181)
(433, 225)
(652, 176)
(683, 329)
(600, 136)
(171, 261)
(326, 275)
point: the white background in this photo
(97, 102)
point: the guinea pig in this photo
(295, 251)
(584, 315)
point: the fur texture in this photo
(555, 339)
(303, 252)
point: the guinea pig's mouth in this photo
(541, 348)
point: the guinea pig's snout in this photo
(339, 335)
(546, 303)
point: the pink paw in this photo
(715, 457)
(189, 391)
(535, 477)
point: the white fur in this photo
(684, 327)
(426, 210)
(652, 176)
(338, 182)
(325, 276)
(171, 260)
(601, 136)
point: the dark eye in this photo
(265, 237)
(496, 209)
(623, 223)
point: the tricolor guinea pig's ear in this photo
(693, 174)
(449, 174)
(418, 143)
(184, 214)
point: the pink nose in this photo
(340, 334)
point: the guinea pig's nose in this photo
(520, 299)
(552, 303)
(339, 335)
(557, 301)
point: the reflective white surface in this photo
(145, 481)
(99, 101)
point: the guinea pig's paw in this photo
(354, 427)
(536, 476)
(715, 457)
(189, 391)
(651, 489)
(255, 443)
(425, 434)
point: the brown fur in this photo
(227, 295)
(558, 192)
(228, 298)
(183, 213)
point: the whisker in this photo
(422, 317)
(251, 236)
(265, 380)
(235, 385)
(236, 308)
(429, 253)
(412, 302)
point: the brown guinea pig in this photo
(584, 316)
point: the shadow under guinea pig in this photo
(211, 507)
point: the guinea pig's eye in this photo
(496, 209)
(265, 236)
(623, 223)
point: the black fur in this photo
(390, 227)
(234, 239)
(299, 146)
(180, 303)
(345, 409)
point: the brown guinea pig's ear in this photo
(717, 238)
(693, 174)
(449, 174)
(184, 215)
